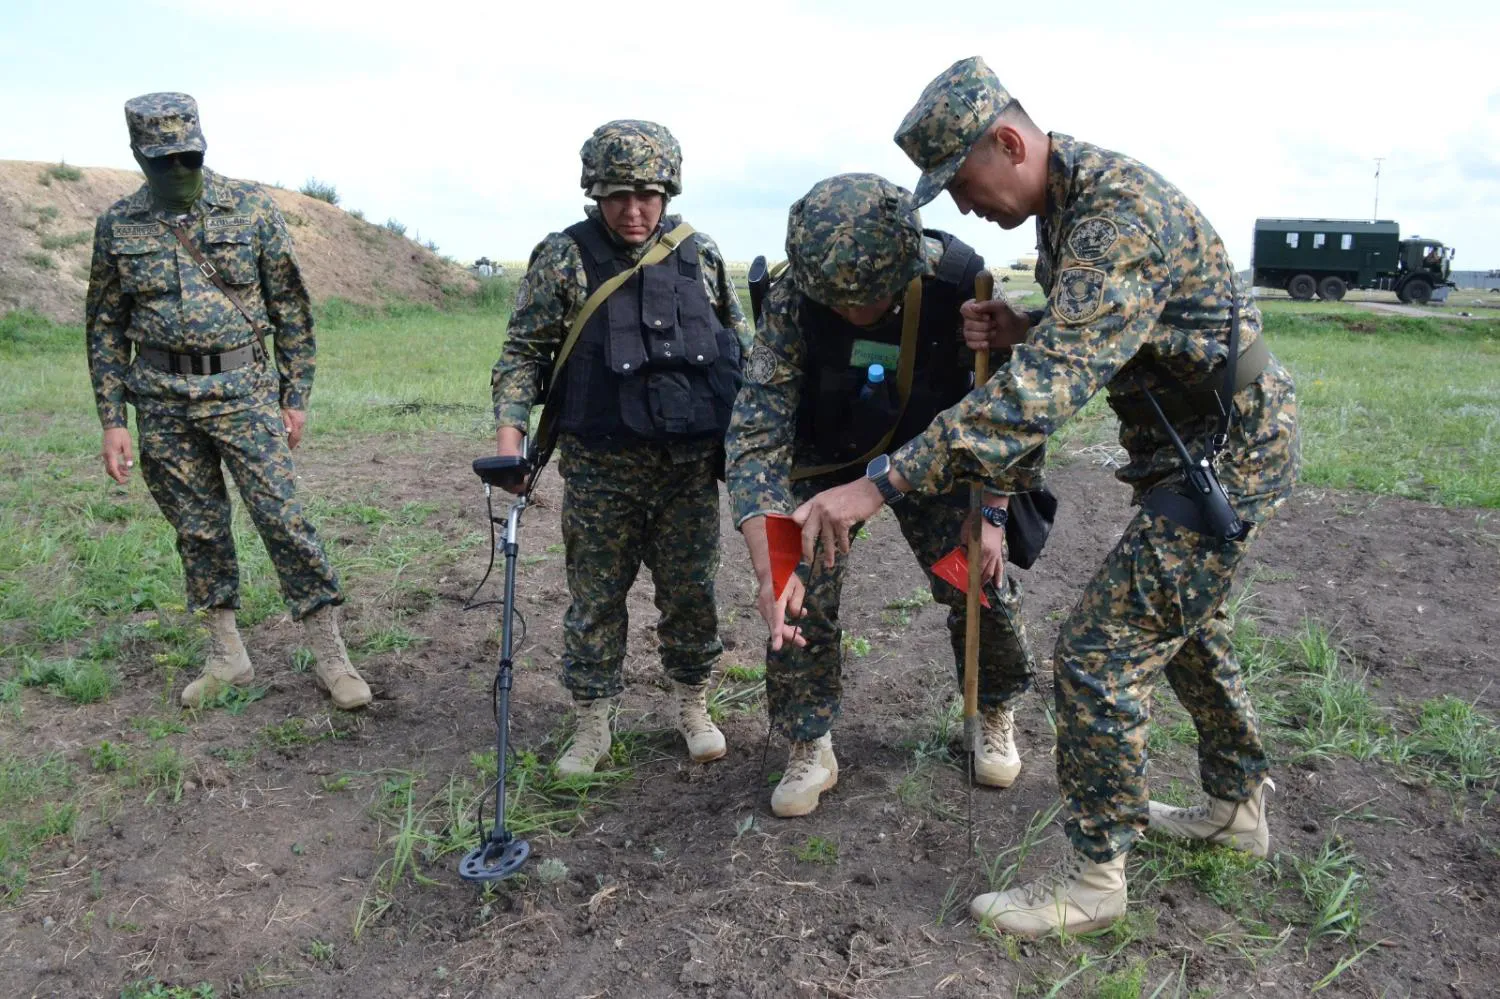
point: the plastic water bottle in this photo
(874, 382)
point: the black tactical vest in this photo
(653, 363)
(840, 425)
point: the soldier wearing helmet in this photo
(640, 403)
(865, 284)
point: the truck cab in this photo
(1423, 266)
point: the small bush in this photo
(399, 228)
(41, 261)
(315, 188)
(358, 213)
(431, 245)
(63, 242)
(64, 173)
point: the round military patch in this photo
(1079, 295)
(761, 366)
(523, 294)
(1092, 238)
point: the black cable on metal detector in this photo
(500, 854)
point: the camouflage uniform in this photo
(1139, 289)
(629, 502)
(146, 293)
(803, 685)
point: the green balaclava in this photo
(174, 190)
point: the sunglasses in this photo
(161, 164)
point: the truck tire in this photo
(1331, 289)
(1301, 287)
(1418, 290)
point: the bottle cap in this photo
(876, 373)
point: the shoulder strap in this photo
(211, 272)
(655, 255)
(1226, 394)
(953, 266)
(911, 323)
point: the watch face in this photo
(879, 465)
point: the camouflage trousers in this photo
(1155, 606)
(621, 508)
(181, 462)
(805, 685)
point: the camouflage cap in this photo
(632, 153)
(164, 123)
(953, 112)
(853, 240)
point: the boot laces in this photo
(1049, 885)
(692, 712)
(803, 759)
(999, 730)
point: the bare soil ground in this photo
(678, 881)
(46, 237)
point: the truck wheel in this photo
(1301, 287)
(1418, 290)
(1331, 289)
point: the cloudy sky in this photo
(464, 120)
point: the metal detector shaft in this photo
(511, 549)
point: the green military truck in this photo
(1327, 257)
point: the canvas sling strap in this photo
(911, 322)
(211, 272)
(545, 428)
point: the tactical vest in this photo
(840, 425)
(653, 363)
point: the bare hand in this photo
(508, 442)
(118, 457)
(295, 420)
(777, 611)
(993, 325)
(991, 547)
(831, 517)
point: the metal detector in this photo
(500, 854)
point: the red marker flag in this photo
(785, 539)
(954, 568)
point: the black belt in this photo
(1182, 406)
(200, 364)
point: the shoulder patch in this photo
(226, 222)
(761, 366)
(126, 229)
(523, 294)
(1091, 238)
(1079, 295)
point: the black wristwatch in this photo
(878, 471)
(995, 516)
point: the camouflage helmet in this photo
(853, 240)
(631, 154)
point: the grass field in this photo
(1390, 405)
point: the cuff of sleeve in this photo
(513, 414)
(293, 398)
(112, 415)
(921, 467)
(740, 521)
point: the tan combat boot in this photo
(334, 672)
(1077, 897)
(590, 739)
(998, 764)
(810, 770)
(1240, 824)
(227, 665)
(704, 740)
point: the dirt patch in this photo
(46, 238)
(682, 884)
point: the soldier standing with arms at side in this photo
(641, 406)
(194, 270)
(809, 412)
(1142, 301)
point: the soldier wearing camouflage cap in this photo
(819, 396)
(190, 275)
(1142, 302)
(640, 404)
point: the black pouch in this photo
(1029, 519)
(669, 398)
(665, 344)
